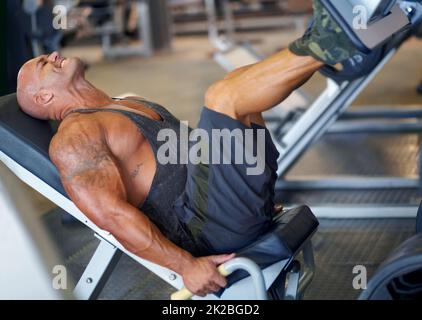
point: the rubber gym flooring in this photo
(340, 244)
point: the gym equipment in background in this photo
(400, 275)
(109, 20)
(31, 7)
(115, 26)
(189, 16)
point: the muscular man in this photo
(188, 218)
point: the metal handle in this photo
(227, 268)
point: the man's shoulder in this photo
(75, 133)
(77, 120)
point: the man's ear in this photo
(43, 97)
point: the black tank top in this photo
(170, 179)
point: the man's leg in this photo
(256, 118)
(259, 87)
(250, 90)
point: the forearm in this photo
(263, 85)
(141, 237)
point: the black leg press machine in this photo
(266, 269)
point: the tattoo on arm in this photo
(135, 172)
(94, 158)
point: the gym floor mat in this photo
(339, 245)
(361, 154)
(342, 244)
(77, 244)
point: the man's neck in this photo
(84, 96)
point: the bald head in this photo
(27, 90)
(47, 84)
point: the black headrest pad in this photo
(26, 140)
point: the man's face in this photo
(53, 71)
(43, 81)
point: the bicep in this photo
(94, 182)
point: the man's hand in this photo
(201, 277)
(324, 40)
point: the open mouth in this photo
(59, 62)
(62, 62)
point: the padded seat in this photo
(292, 228)
(290, 231)
(26, 140)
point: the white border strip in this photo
(363, 212)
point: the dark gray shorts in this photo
(223, 207)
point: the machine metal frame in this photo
(144, 48)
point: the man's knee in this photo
(221, 98)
